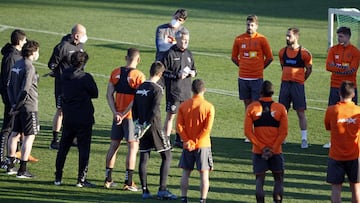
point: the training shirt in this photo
(343, 63)
(266, 135)
(147, 103)
(134, 79)
(252, 53)
(195, 119)
(176, 61)
(293, 62)
(164, 39)
(10, 56)
(22, 88)
(343, 121)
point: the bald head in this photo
(78, 33)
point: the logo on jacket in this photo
(347, 120)
(142, 92)
(16, 70)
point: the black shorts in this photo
(292, 92)
(172, 106)
(154, 139)
(337, 169)
(334, 96)
(27, 123)
(274, 164)
(202, 157)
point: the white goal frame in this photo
(342, 11)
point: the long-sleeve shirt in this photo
(10, 56)
(343, 121)
(22, 88)
(266, 135)
(195, 120)
(343, 63)
(175, 61)
(164, 39)
(78, 88)
(252, 52)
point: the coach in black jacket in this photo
(78, 89)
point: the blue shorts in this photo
(334, 96)
(125, 130)
(249, 89)
(337, 169)
(292, 92)
(202, 157)
(275, 164)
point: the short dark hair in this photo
(344, 30)
(267, 89)
(197, 86)
(79, 59)
(347, 89)
(252, 18)
(131, 53)
(16, 36)
(295, 30)
(29, 48)
(156, 68)
(183, 13)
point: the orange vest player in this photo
(343, 122)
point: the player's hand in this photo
(192, 73)
(266, 153)
(118, 118)
(182, 75)
(189, 145)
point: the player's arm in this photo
(283, 127)
(268, 56)
(110, 93)
(235, 54)
(327, 119)
(206, 129)
(180, 125)
(92, 88)
(55, 58)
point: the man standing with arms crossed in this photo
(343, 121)
(266, 126)
(59, 61)
(343, 63)
(251, 53)
(296, 65)
(120, 95)
(194, 124)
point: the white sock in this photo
(303, 134)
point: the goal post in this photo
(348, 17)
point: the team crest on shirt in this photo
(243, 46)
(142, 92)
(337, 56)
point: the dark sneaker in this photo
(85, 184)
(147, 195)
(54, 145)
(166, 195)
(57, 182)
(24, 174)
(11, 170)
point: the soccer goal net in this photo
(348, 17)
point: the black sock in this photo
(108, 173)
(202, 200)
(22, 166)
(55, 136)
(11, 162)
(128, 176)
